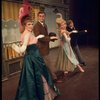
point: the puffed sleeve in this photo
(24, 46)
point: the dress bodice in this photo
(32, 38)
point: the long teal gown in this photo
(31, 84)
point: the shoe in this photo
(57, 81)
(83, 64)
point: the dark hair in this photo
(25, 19)
(69, 22)
(41, 12)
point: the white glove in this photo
(15, 47)
(74, 31)
(53, 37)
(19, 49)
(85, 30)
(40, 36)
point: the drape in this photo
(10, 11)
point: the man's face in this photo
(41, 17)
(71, 24)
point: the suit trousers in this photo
(78, 53)
(50, 66)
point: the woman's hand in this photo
(63, 31)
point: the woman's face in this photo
(63, 25)
(29, 26)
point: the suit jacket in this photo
(74, 37)
(43, 43)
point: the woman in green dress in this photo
(66, 58)
(35, 81)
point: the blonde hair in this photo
(59, 21)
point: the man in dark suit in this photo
(40, 28)
(74, 40)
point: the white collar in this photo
(42, 23)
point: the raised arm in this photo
(37, 33)
(66, 34)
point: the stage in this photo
(76, 85)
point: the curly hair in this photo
(59, 21)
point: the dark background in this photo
(85, 14)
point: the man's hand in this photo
(74, 31)
(53, 38)
(40, 36)
(85, 30)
